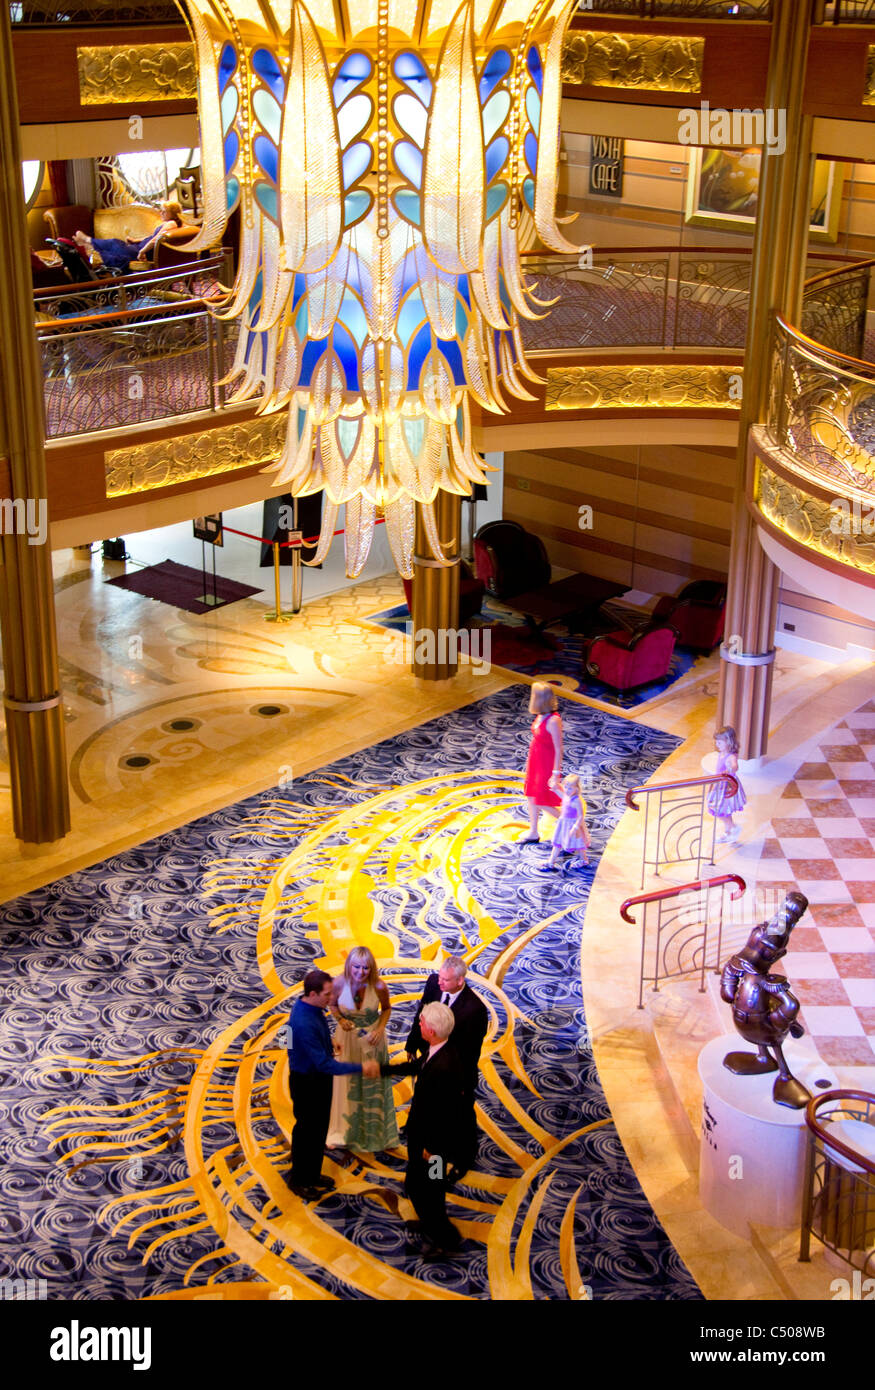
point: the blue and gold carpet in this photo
(145, 1118)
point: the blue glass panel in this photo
(356, 206)
(300, 288)
(411, 70)
(302, 320)
(419, 350)
(531, 151)
(312, 352)
(496, 198)
(353, 269)
(496, 157)
(268, 69)
(231, 147)
(497, 65)
(302, 421)
(453, 355)
(529, 192)
(407, 205)
(409, 276)
(533, 108)
(232, 193)
(533, 63)
(461, 321)
(227, 65)
(356, 161)
(408, 162)
(410, 316)
(504, 297)
(346, 351)
(265, 196)
(464, 291)
(355, 69)
(267, 155)
(352, 316)
(460, 424)
(253, 308)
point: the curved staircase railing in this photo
(681, 932)
(838, 1207)
(675, 829)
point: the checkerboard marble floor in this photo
(822, 842)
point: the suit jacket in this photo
(471, 1020)
(438, 1121)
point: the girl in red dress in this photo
(544, 764)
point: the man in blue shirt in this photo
(312, 1068)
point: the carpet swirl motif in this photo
(146, 1118)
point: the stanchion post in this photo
(279, 616)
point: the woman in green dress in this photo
(362, 1109)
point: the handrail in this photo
(817, 1127)
(127, 282)
(811, 345)
(731, 790)
(152, 312)
(696, 887)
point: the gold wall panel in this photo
(151, 72)
(650, 63)
(188, 457)
(809, 521)
(633, 388)
(869, 91)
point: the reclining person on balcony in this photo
(118, 254)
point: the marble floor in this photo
(171, 716)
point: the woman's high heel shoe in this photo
(530, 840)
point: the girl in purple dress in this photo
(719, 803)
(571, 834)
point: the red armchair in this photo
(510, 560)
(697, 613)
(624, 660)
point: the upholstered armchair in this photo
(510, 560)
(697, 613)
(624, 660)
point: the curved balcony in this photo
(812, 481)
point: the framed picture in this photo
(723, 187)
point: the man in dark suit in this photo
(438, 1131)
(470, 1017)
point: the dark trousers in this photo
(311, 1098)
(426, 1184)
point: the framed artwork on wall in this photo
(723, 187)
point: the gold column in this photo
(778, 275)
(436, 594)
(34, 715)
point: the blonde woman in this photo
(544, 764)
(362, 1108)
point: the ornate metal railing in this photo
(132, 350)
(646, 296)
(822, 411)
(838, 1206)
(835, 306)
(681, 930)
(680, 9)
(105, 13)
(678, 828)
(850, 12)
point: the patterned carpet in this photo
(145, 1094)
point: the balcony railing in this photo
(131, 351)
(679, 9)
(822, 411)
(94, 13)
(645, 296)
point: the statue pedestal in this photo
(752, 1157)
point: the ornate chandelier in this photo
(388, 157)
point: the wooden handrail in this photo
(696, 887)
(822, 1133)
(741, 252)
(811, 344)
(130, 281)
(153, 312)
(731, 790)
